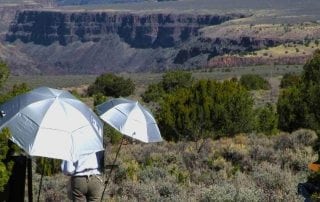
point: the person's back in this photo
(86, 181)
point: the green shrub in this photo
(132, 168)
(47, 167)
(152, 173)
(111, 135)
(296, 140)
(120, 176)
(171, 81)
(167, 190)
(261, 153)
(292, 110)
(133, 191)
(98, 98)
(16, 90)
(304, 137)
(267, 120)
(111, 85)
(209, 106)
(5, 166)
(153, 93)
(176, 79)
(254, 82)
(271, 177)
(227, 191)
(298, 106)
(4, 73)
(290, 80)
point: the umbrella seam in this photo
(96, 119)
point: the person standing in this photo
(86, 179)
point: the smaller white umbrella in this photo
(130, 119)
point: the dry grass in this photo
(288, 32)
(287, 50)
(248, 167)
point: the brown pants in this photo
(86, 188)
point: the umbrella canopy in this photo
(52, 123)
(130, 118)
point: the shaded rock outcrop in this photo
(213, 47)
(138, 30)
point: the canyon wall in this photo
(138, 30)
(52, 41)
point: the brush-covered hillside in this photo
(248, 167)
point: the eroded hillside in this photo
(153, 36)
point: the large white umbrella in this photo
(130, 118)
(52, 123)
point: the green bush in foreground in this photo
(5, 167)
(299, 106)
(208, 106)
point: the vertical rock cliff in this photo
(138, 30)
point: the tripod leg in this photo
(29, 168)
(109, 176)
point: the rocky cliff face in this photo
(213, 47)
(76, 42)
(8, 12)
(138, 30)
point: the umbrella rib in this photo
(122, 112)
(96, 118)
(64, 109)
(79, 128)
(84, 127)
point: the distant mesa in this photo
(82, 37)
(138, 30)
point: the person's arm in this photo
(67, 168)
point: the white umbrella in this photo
(52, 123)
(130, 119)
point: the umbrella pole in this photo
(29, 168)
(111, 169)
(40, 184)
